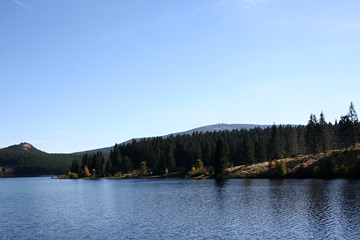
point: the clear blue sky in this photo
(84, 74)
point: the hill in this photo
(334, 164)
(25, 147)
(203, 129)
(221, 127)
(26, 160)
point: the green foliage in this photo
(116, 159)
(126, 165)
(74, 175)
(221, 160)
(324, 134)
(260, 150)
(275, 144)
(281, 168)
(291, 141)
(351, 164)
(349, 127)
(312, 134)
(197, 169)
(182, 151)
(35, 163)
(327, 168)
(75, 166)
(109, 168)
(346, 130)
(247, 149)
(143, 168)
(170, 159)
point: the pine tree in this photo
(260, 150)
(85, 161)
(170, 160)
(221, 161)
(108, 168)
(312, 134)
(126, 165)
(346, 130)
(75, 167)
(324, 135)
(355, 124)
(300, 130)
(291, 143)
(99, 162)
(247, 149)
(116, 160)
(275, 145)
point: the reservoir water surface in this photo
(43, 208)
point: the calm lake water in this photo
(42, 208)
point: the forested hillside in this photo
(242, 146)
(183, 152)
(25, 160)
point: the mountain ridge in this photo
(203, 129)
(24, 147)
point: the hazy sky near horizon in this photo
(83, 74)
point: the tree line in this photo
(34, 163)
(230, 148)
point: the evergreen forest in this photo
(224, 148)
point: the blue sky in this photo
(84, 74)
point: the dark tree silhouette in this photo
(221, 161)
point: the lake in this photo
(43, 208)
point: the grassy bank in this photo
(334, 164)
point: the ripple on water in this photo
(40, 208)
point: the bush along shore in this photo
(334, 164)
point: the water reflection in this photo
(220, 192)
(180, 209)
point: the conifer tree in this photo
(170, 160)
(312, 134)
(108, 168)
(247, 149)
(98, 163)
(355, 124)
(346, 130)
(85, 161)
(116, 160)
(126, 165)
(324, 135)
(75, 167)
(260, 150)
(275, 147)
(291, 143)
(221, 161)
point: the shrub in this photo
(74, 175)
(143, 168)
(281, 168)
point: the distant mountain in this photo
(26, 160)
(221, 127)
(24, 147)
(210, 128)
